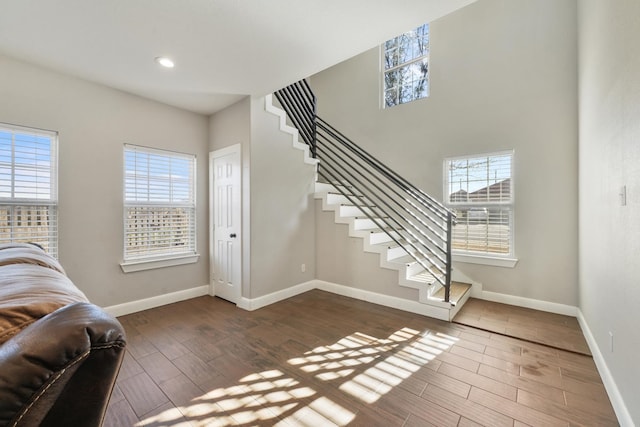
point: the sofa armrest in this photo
(61, 369)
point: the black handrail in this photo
(414, 220)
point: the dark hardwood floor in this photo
(553, 330)
(320, 359)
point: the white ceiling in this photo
(223, 49)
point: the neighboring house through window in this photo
(479, 189)
(29, 186)
(159, 206)
(406, 67)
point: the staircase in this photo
(410, 230)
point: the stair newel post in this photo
(447, 287)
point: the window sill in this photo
(485, 260)
(153, 263)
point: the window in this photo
(406, 67)
(159, 205)
(29, 186)
(480, 191)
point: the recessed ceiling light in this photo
(165, 62)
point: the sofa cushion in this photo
(29, 291)
(26, 253)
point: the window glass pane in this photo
(405, 51)
(391, 84)
(483, 230)
(480, 180)
(159, 203)
(391, 44)
(29, 223)
(391, 97)
(390, 58)
(406, 67)
(155, 231)
(479, 189)
(28, 186)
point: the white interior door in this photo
(225, 219)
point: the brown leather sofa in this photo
(59, 354)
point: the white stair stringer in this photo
(410, 273)
(284, 127)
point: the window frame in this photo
(51, 245)
(133, 263)
(414, 59)
(477, 257)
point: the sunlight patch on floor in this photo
(380, 379)
(396, 358)
(359, 365)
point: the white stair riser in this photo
(337, 199)
(395, 253)
(435, 287)
(321, 187)
(366, 224)
(353, 211)
(414, 269)
(378, 238)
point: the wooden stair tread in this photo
(458, 290)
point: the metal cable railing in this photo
(414, 220)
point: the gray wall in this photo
(282, 209)
(93, 124)
(340, 259)
(278, 232)
(231, 125)
(228, 127)
(503, 76)
(610, 158)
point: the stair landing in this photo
(458, 294)
(552, 330)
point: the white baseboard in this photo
(157, 301)
(263, 301)
(624, 417)
(384, 300)
(477, 291)
(400, 303)
(380, 299)
(375, 298)
(536, 304)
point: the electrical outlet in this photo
(611, 341)
(303, 267)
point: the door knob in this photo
(232, 235)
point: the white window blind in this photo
(406, 67)
(29, 186)
(159, 204)
(480, 191)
